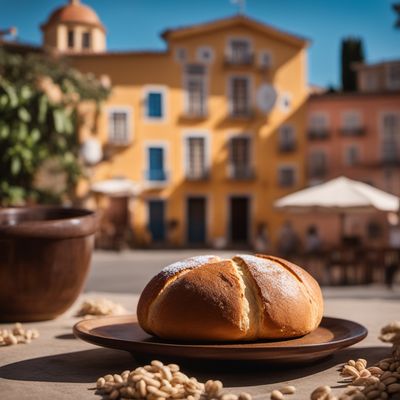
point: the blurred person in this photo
(288, 240)
(313, 240)
(262, 242)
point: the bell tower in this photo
(74, 28)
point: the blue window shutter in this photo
(154, 105)
(156, 167)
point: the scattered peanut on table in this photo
(158, 381)
(378, 382)
(17, 335)
(99, 307)
(166, 382)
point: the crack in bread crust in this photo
(251, 296)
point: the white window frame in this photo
(163, 89)
(346, 158)
(323, 114)
(120, 109)
(166, 148)
(252, 152)
(186, 92)
(380, 127)
(207, 149)
(231, 39)
(346, 113)
(261, 62)
(199, 56)
(390, 84)
(294, 167)
(294, 133)
(178, 57)
(229, 91)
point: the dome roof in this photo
(74, 12)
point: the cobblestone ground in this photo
(129, 271)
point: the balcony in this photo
(239, 60)
(156, 177)
(353, 132)
(318, 134)
(241, 112)
(201, 175)
(241, 173)
(118, 141)
(287, 147)
(195, 113)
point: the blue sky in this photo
(136, 24)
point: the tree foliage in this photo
(39, 119)
(352, 52)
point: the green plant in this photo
(39, 120)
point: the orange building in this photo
(211, 129)
(357, 134)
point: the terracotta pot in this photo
(45, 254)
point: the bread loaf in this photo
(244, 298)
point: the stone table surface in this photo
(58, 366)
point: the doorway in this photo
(196, 220)
(157, 220)
(239, 219)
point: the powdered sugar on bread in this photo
(187, 264)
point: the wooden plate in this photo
(124, 333)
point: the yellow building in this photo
(212, 128)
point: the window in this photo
(394, 76)
(369, 81)
(391, 137)
(286, 138)
(156, 170)
(285, 101)
(265, 59)
(180, 54)
(352, 155)
(118, 127)
(71, 39)
(318, 125)
(154, 105)
(239, 52)
(240, 96)
(317, 167)
(205, 54)
(196, 99)
(351, 122)
(239, 158)
(86, 40)
(196, 158)
(286, 176)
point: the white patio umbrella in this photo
(340, 195)
(117, 187)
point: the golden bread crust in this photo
(246, 298)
